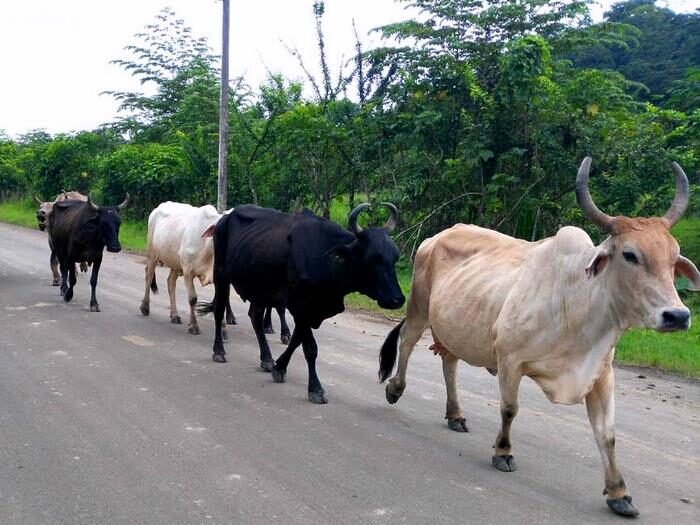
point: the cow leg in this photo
(284, 327)
(267, 322)
(600, 405)
(509, 382)
(94, 306)
(64, 277)
(68, 295)
(315, 392)
(222, 288)
(409, 335)
(256, 314)
(53, 262)
(172, 281)
(150, 271)
(279, 371)
(192, 325)
(453, 413)
(230, 318)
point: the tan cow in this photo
(551, 310)
(43, 216)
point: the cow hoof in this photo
(269, 330)
(218, 358)
(504, 463)
(55, 282)
(194, 330)
(391, 396)
(285, 338)
(176, 320)
(623, 506)
(68, 295)
(318, 398)
(458, 424)
(267, 366)
(278, 375)
(145, 310)
(94, 307)
(230, 319)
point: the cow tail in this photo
(154, 284)
(220, 238)
(387, 355)
(204, 308)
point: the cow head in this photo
(46, 207)
(372, 257)
(640, 260)
(109, 223)
(42, 212)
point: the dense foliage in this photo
(477, 112)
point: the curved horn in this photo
(393, 216)
(680, 201)
(584, 199)
(38, 200)
(124, 204)
(352, 218)
(92, 204)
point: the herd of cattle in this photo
(551, 310)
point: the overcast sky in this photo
(55, 54)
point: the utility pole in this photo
(223, 114)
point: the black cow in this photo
(305, 262)
(80, 231)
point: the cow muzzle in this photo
(672, 319)
(114, 249)
(392, 304)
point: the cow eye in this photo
(630, 257)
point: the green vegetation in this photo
(675, 352)
(132, 235)
(21, 212)
(475, 112)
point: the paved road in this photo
(115, 418)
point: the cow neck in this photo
(589, 305)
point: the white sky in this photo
(54, 54)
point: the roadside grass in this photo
(132, 235)
(674, 352)
(20, 212)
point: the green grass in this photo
(675, 352)
(22, 212)
(132, 235)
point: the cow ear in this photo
(686, 268)
(598, 262)
(209, 231)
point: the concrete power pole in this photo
(223, 114)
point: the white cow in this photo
(175, 240)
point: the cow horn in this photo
(680, 201)
(584, 199)
(125, 203)
(38, 200)
(352, 218)
(393, 216)
(92, 204)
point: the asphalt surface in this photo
(113, 417)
